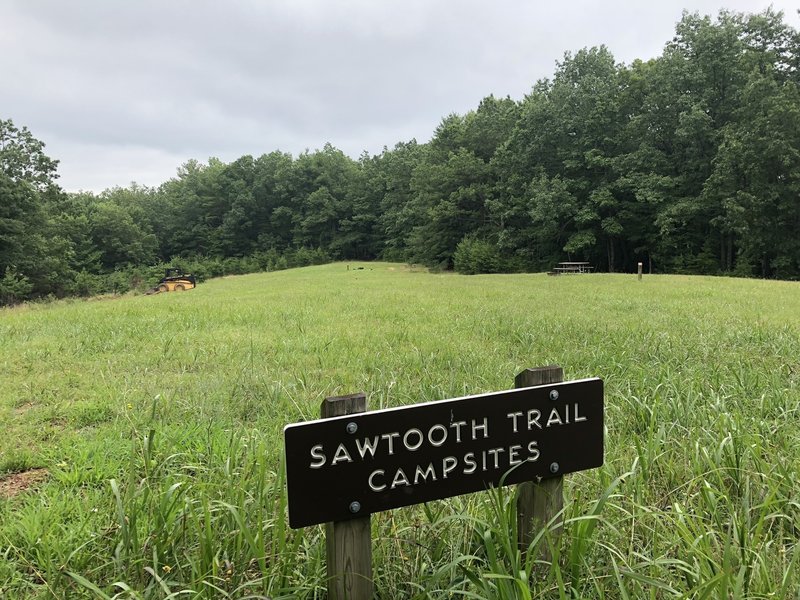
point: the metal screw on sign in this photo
(554, 467)
(355, 506)
(553, 395)
(352, 427)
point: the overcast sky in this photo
(124, 91)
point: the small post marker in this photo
(538, 503)
(348, 543)
(640, 271)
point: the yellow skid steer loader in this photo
(175, 280)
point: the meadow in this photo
(148, 431)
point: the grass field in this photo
(149, 433)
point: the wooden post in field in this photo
(640, 271)
(538, 503)
(348, 543)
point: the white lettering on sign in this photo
(371, 480)
(470, 465)
(513, 453)
(400, 479)
(384, 459)
(484, 427)
(341, 455)
(365, 445)
(415, 439)
(533, 419)
(389, 437)
(458, 425)
(441, 440)
(533, 451)
(514, 416)
(495, 458)
(556, 417)
(428, 472)
(316, 454)
(412, 446)
(448, 464)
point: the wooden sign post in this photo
(352, 463)
(539, 502)
(348, 544)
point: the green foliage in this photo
(118, 238)
(688, 162)
(22, 157)
(26, 174)
(14, 287)
(477, 256)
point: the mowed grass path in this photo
(158, 420)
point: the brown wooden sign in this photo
(351, 466)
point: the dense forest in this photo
(689, 163)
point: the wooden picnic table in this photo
(573, 267)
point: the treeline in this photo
(689, 162)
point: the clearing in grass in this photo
(159, 420)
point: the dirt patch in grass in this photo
(22, 409)
(16, 483)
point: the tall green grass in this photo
(159, 420)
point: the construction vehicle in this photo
(175, 280)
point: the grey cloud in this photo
(200, 78)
